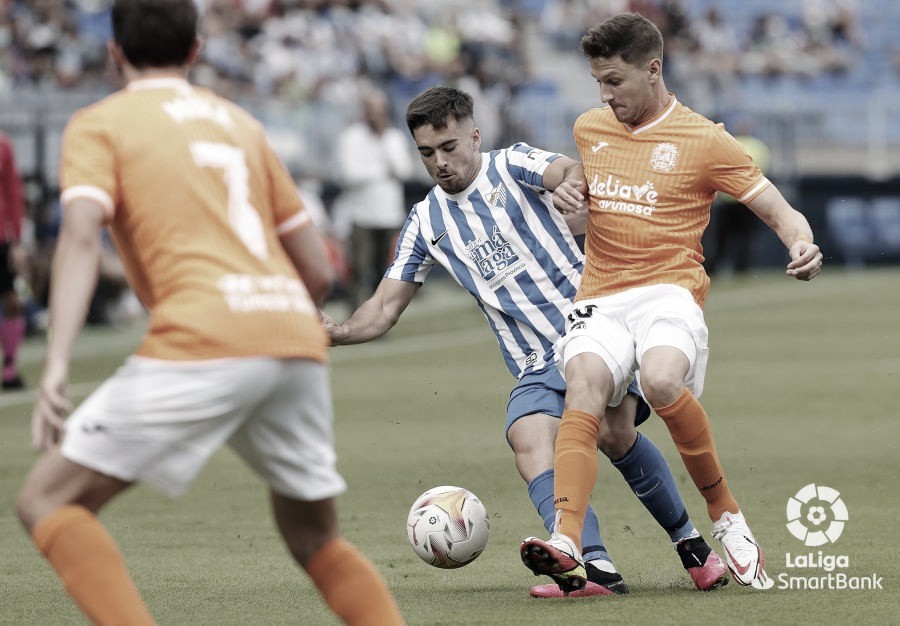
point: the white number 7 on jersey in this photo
(243, 216)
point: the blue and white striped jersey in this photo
(503, 241)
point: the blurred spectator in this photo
(12, 264)
(565, 21)
(703, 62)
(773, 48)
(834, 36)
(733, 227)
(374, 159)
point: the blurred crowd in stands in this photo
(318, 49)
(822, 36)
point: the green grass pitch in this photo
(801, 388)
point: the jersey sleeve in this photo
(88, 162)
(289, 211)
(527, 164)
(731, 169)
(412, 261)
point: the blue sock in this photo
(541, 492)
(647, 473)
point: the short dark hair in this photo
(155, 33)
(630, 35)
(435, 106)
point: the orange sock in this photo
(90, 567)
(575, 470)
(351, 586)
(689, 426)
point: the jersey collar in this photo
(656, 120)
(162, 82)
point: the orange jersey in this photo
(651, 188)
(196, 201)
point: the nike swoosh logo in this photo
(599, 145)
(435, 240)
(741, 569)
(648, 492)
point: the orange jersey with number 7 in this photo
(195, 201)
(651, 188)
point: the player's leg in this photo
(289, 442)
(575, 469)
(154, 422)
(646, 471)
(532, 422)
(589, 388)
(672, 353)
(532, 439)
(663, 370)
(57, 506)
(595, 378)
(124, 432)
(347, 580)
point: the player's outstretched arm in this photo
(375, 316)
(794, 231)
(76, 263)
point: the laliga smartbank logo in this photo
(816, 516)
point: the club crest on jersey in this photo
(664, 157)
(497, 197)
(495, 258)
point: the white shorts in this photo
(159, 422)
(620, 328)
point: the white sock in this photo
(604, 566)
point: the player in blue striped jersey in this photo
(491, 224)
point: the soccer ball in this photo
(448, 527)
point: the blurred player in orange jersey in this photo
(652, 168)
(218, 246)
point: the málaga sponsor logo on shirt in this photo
(495, 258)
(624, 197)
(816, 517)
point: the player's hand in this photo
(50, 409)
(331, 327)
(806, 261)
(570, 196)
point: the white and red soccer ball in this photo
(448, 527)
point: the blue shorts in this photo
(544, 391)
